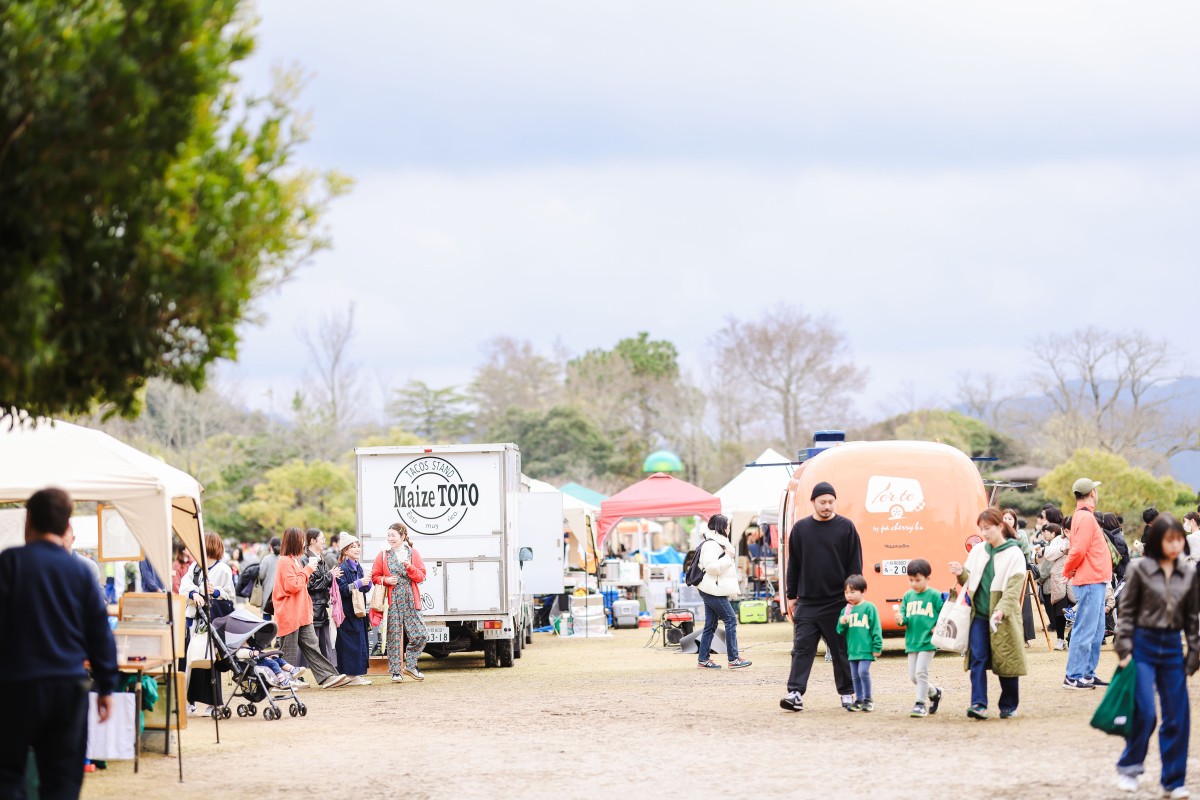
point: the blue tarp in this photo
(667, 555)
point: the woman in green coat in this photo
(994, 578)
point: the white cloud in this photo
(928, 272)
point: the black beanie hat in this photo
(822, 488)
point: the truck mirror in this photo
(525, 554)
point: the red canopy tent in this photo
(660, 495)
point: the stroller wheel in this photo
(294, 709)
(251, 710)
(227, 712)
(214, 712)
(303, 710)
(242, 711)
(269, 714)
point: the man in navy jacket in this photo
(52, 619)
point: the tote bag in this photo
(1115, 713)
(379, 597)
(953, 628)
(358, 603)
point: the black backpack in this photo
(246, 579)
(692, 574)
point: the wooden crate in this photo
(148, 611)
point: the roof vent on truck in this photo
(822, 441)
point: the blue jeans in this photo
(1088, 633)
(981, 660)
(860, 672)
(718, 608)
(1158, 655)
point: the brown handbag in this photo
(379, 597)
(358, 603)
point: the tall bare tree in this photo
(513, 375)
(799, 364)
(331, 381)
(1111, 391)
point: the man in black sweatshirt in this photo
(52, 618)
(823, 550)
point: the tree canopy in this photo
(145, 203)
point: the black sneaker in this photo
(1096, 680)
(919, 710)
(935, 701)
(1079, 684)
(977, 712)
(792, 701)
(1008, 714)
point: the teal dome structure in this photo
(662, 461)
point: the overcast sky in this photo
(946, 179)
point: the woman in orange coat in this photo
(400, 567)
(294, 611)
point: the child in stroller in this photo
(279, 673)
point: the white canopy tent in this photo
(755, 492)
(579, 520)
(151, 497)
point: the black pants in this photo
(816, 621)
(49, 716)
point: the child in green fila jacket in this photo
(864, 640)
(918, 614)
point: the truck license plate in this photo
(898, 567)
(438, 633)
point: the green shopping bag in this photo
(1115, 713)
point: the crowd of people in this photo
(322, 600)
(1146, 596)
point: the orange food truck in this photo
(907, 499)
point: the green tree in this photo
(628, 392)
(949, 427)
(317, 494)
(436, 415)
(1124, 490)
(558, 444)
(144, 206)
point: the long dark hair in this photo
(719, 523)
(1159, 528)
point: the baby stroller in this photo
(235, 636)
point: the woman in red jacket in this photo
(400, 567)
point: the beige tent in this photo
(152, 498)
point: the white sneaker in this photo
(1061, 644)
(332, 681)
(360, 680)
(1127, 783)
(1177, 794)
(398, 678)
(847, 700)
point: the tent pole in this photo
(172, 687)
(212, 649)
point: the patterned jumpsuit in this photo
(404, 623)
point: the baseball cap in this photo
(1084, 486)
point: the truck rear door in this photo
(541, 530)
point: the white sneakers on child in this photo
(1127, 783)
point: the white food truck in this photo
(488, 546)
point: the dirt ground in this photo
(610, 718)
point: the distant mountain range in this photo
(1186, 393)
